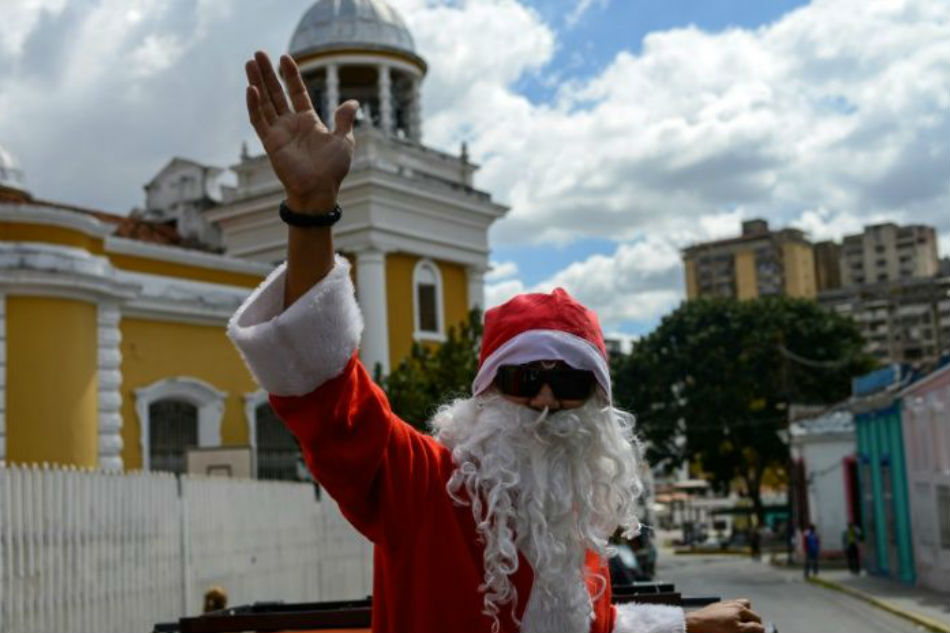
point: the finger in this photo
(748, 615)
(344, 116)
(745, 602)
(295, 85)
(274, 89)
(254, 112)
(257, 81)
(750, 627)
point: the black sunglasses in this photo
(525, 381)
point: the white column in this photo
(110, 384)
(3, 378)
(333, 93)
(415, 111)
(476, 287)
(371, 292)
(385, 100)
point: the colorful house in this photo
(822, 444)
(113, 348)
(882, 467)
(925, 417)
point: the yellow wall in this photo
(692, 290)
(399, 267)
(15, 232)
(799, 270)
(454, 294)
(747, 285)
(183, 271)
(154, 350)
(52, 381)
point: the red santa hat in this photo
(539, 326)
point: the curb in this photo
(919, 620)
(712, 552)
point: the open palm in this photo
(310, 160)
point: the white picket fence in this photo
(91, 552)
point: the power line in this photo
(810, 362)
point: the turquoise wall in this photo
(881, 445)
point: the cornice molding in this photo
(124, 246)
(37, 268)
(51, 216)
(173, 299)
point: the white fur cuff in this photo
(292, 352)
(649, 618)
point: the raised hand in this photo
(310, 160)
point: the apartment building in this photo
(888, 252)
(903, 321)
(760, 262)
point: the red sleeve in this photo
(372, 463)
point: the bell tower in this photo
(361, 49)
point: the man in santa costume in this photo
(499, 522)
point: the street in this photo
(778, 595)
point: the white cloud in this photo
(835, 115)
(498, 293)
(501, 270)
(156, 53)
(773, 121)
(20, 18)
(580, 8)
(824, 224)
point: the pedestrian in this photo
(499, 520)
(850, 538)
(812, 547)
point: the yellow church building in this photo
(113, 352)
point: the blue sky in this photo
(616, 131)
(585, 47)
(606, 28)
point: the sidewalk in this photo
(926, 608)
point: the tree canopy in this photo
(434, 374)
(713, 382)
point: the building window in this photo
(277, 452)
(173, 428)
(175, 414)
(427, 301)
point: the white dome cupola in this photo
(361, 49)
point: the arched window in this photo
(177, 413)
(278, 455)
(173, 428)
(276, 452)
(427, 301)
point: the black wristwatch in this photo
(306, 220)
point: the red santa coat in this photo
(388, 479)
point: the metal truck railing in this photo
(355, 615)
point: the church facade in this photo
(113, 353)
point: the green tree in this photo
(713, 382)
(433, 374)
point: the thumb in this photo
(344, 116)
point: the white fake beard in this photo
(550, 485)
